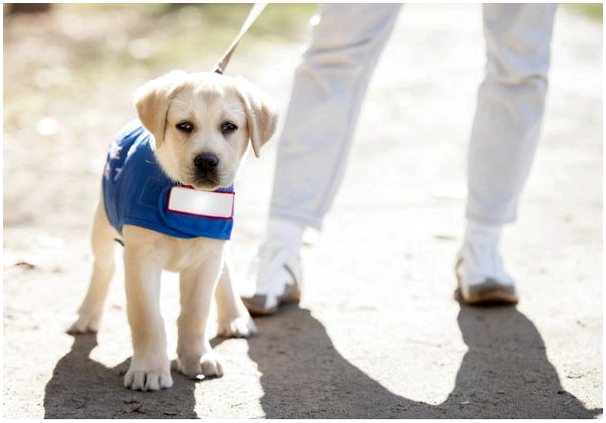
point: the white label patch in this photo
(217, 205)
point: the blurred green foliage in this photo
(593, 10)
(179, 32)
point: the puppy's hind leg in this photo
(89, 313)
(233, 317)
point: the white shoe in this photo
(481, 277)
(277, 274)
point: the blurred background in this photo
(69, 74)
(70, 71)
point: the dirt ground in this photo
(377, 334)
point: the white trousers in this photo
(329, 87)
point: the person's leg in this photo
(329, 86)
(505, 134)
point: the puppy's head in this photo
(202, 124)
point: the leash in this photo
(254, 13)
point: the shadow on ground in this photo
(83, 388)
(504, 374)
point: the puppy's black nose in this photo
(206, 161)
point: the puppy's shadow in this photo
(83, 388)
(504, 374)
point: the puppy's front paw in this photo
(85, 323)
(148, 378)
(240, 327)
(210, 365)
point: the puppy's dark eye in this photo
(228, 128)
(185, 126)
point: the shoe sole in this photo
(256, 309)
(256, 303)
(494, 297)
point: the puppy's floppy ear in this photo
(261, 115)
(151, 102)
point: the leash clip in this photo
(254, 13)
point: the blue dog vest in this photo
(137, 192)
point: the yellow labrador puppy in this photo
(168, 195)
